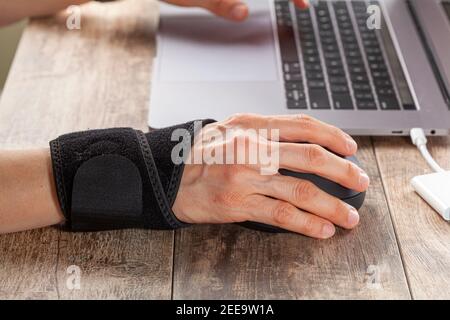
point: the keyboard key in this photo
(303, 15)
(369, 36)
(353, 54)
(366, 105)
(293, 85)
(410, 107)
(342, 102)
(387, 91)
(374, 58)
(325, 26)
(375, 51)
(334, 63)
(304, 23)
(328, 33)
(338, 80)
(300, 104)
(324, 20)
(292, 67)
(336, 72)
(293, 77)
(332, 55)
(351, 46)
(310, 52)
(357, 70)
(306, 36)
(355, 62)
(314, 75)
(296, 95)
(364, 96)
(380, 75)
(316, 84)
(311, 59)
(309, 44)
(343, 19)
(319, 99)
(330, 48)
(349, 39)
(347, 32)
(360, 78)
(315, 67)
(361, 87)
(339, 89)
(322, 12)
(378, 67)
(328, 41)
(388, 102)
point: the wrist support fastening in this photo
(119, 178)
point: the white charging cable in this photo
(420, 141)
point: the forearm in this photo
(14, 10)
(28, 198)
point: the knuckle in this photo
(339, 212)
(338, 133)
(349, 174)
(282, 214)
(305, 118)
(307, 122)
(315, 155)
(240, 118)
(352, 170)
(349, 168)
(216, 3)
(309, 225)
(305, 191)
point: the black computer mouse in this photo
(353, 198)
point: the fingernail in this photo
(353, 216)
(351, 145)
(239, 12)
(364, 180)
(328, 231)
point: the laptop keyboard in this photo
(338, 62)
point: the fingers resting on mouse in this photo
(235, 10)
(231, 174)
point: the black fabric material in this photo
(117, 159)
(162, 147)
(107, 193)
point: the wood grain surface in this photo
(423, 235)
(99, 77)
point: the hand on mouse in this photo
(235, 10)
(226, 193)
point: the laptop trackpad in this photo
(203, 48)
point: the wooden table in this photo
(99, 77)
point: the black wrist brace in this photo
(118, 178)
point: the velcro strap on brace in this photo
(118, 178)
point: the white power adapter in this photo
(435, 189)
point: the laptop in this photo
(368, 67)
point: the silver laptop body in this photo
(379, 81)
